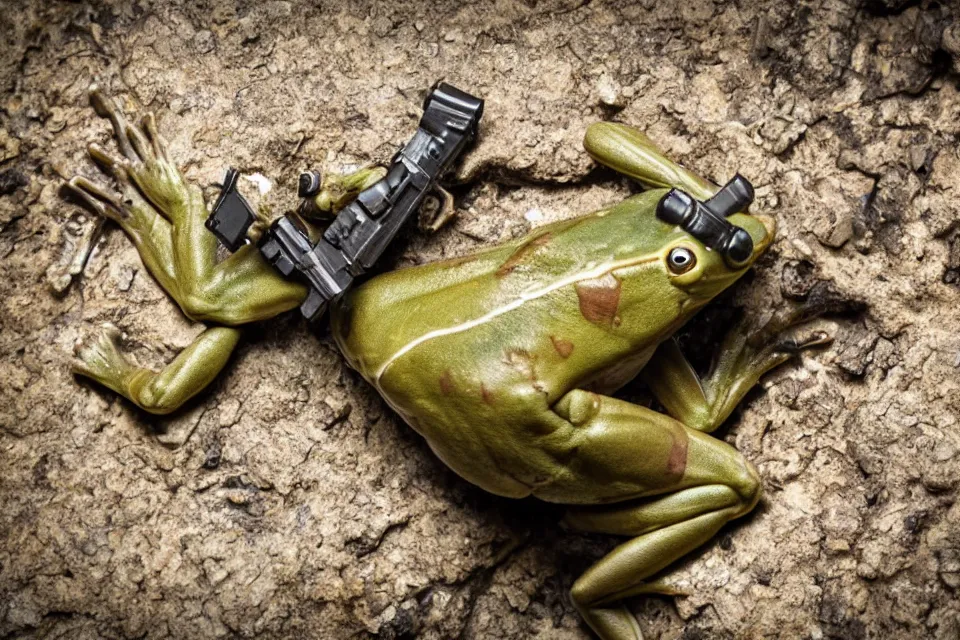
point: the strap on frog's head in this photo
(707, 221)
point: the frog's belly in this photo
(476, 463)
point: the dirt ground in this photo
(289, 501)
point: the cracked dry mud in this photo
(288, 501)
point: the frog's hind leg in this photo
(165, 216)
(157, 392)
(670, 487)
(629, 151)
(667, 533)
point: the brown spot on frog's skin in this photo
(600, 299)
(446, 383)
(517, 256)
(677, 462)
(486, 394)
(563, 347)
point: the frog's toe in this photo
(148, 124)
(798, 344)
(127, 205)
(106, 107)
(108, 163)
(97, 198)
(120, 169)
(133, 142)
(99, 356)
(778, 332)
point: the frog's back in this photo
(385, 315)
(473, 352)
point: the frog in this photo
(507, 360)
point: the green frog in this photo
(505, 361)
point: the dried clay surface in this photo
(289, 501)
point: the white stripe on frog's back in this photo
(591, 274)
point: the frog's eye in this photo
(681, 260)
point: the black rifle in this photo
(361, 232)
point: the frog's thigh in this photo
(676, 486)
(620, 451)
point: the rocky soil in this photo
(288, 501)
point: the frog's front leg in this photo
(326, 194)
(741, 361)
(331, 192)
(165, 216)
(668, 486)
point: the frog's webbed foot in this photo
(773, 343)
(147, 221)
(776, 334)
(99, 357)
(749, 355)
(743, 358)
(150, 234)
(145, 162)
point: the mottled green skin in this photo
(503, 360)
(474, 352)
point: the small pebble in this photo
(533, 215)
(263, 183)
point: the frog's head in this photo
(713, 252)
(690, 254)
